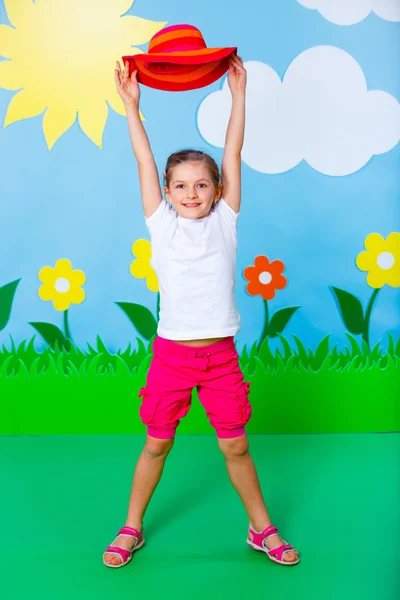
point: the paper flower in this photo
(265, 277)
(381, 260)
(62, 285)
(141, 267)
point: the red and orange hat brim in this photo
(180, 71)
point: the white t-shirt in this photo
(195, 262)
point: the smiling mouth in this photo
(192, 204)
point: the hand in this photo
(128, 87)
(237, 75)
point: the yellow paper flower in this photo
(381, 259)
(62, 285)
(141, 268)
(62, 57)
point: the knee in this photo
(157, 448)
(235, 447)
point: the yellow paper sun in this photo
(62, 57)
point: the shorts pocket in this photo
(245, 406)
(148, 408)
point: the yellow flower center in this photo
(385, 260)
(265, 277)
(62, 285)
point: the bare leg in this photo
(147, 474)
(244, 478)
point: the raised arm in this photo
(128, 89)
(231, 161)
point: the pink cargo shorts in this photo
(214, 370)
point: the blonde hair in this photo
(192, 156)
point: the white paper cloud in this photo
(349, 12)
(321, 112)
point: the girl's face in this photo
(191, 190)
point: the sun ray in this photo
(19, 11)
(113, 98)
(23, 106)
(56, 121)
(92, 119)
(125, 51)
(137, 31)
(122, 6)
(10, 78)
(8, 41)
(115, 102)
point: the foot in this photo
(124, 542)
(275, 541)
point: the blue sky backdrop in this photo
(83, 203)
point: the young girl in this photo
(193, 238)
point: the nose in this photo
(191, 194)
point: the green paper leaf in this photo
(397, 350)
(141, 318)
(351, 311)
(355, 348)
(7, 293)
(287, 351)
(391, 348)
(280, 319)
(321, 353)
(51, 334)
(265, 354)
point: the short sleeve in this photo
(161, 218)
(226, 213)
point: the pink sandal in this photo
(276, 554)
(124, 555)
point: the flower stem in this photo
(66, 326)
(158, 307)
(266, 325)
(365, 333)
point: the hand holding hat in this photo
(237, 75)
(127, 85)
(179, 60)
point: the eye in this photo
(202, 185)
(179, 186)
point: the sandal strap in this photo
(259, 537)
(130, 531)
(280, 551)
(121, 552)
(271, 530)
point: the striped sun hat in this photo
(179, 60)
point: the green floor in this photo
(335, 497)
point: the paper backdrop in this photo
(319, 245)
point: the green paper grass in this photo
(293, 390)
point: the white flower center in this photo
(62, 285)
(385, 260)
(265, 277)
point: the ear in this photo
(218, 193)
(167, 194)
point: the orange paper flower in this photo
(265, 277)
